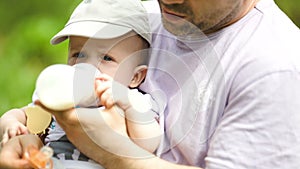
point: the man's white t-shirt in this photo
(233, 96)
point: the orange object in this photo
(39, 159)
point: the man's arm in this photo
(107, 142)
(11, 154)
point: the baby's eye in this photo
(107, 58)
(79, 55)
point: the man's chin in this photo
(183, 29)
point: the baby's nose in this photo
(95, 61)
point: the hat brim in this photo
(90, 29)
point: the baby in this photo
(114, 37)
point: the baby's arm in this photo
(141, 119)
(12, 123)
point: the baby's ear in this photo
(139, 75)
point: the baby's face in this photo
(110, 56)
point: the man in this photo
(231, 78)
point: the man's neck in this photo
(247, 6)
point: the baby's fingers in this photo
(20, 130)
(12, 132)
(106, 99)
(9, 133)
(104, 77)
(23, 130)
(101, 87)
(5, 138)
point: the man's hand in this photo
(11, 154)
(99, 133)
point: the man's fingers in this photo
(14, 150)
(16, 164)
(31, 140)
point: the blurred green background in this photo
(25, 30)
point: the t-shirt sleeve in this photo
(260, 126)
(145, 107)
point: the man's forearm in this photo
(113, 161)
(146, 163)
(105, 142)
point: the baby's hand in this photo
(111, 92)
(14, 129)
